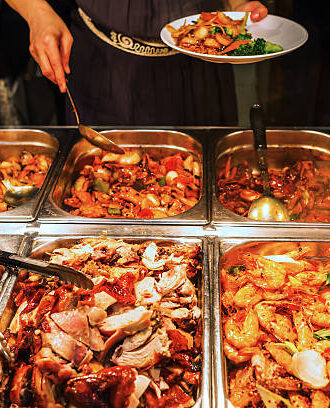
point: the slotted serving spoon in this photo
(17, 195)
(267, 207)
(92, 135)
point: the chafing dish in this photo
(158, 143)
(285, 147)
(39, 247)
(11, 243)
(13, 142)
(227, 248)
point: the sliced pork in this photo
(49, 362)
(132, 341)
(145, 356)
(65, 345)
(128, 322)
(146, 291)
(172, 279)
(75, 323)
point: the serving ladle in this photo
(267, 207)
(17, 195)
(94, 137)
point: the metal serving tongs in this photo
(47, 269)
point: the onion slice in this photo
(310, 367)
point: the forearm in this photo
(50, 39)
(27, 9)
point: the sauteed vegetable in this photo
(134, 185)
(134, 340)
(27, 169)
(218, 34)
(303, 187)
(276, 325)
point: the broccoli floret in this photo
(270, 47)
(259, 46)
(244, 50)
(229, 32)
(243, 37)
(256, 47)
(214, 30)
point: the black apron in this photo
(113, 87)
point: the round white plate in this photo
(278, 30)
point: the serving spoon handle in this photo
(260, 144)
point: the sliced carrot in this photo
(223, 39)
(233, 46)
(207, 16)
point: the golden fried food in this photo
(275, 313)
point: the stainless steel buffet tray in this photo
(227, 247)
(284, 147)
(39, 246)
(158, 143)
(13, 142)
(9, 242)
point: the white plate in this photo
(278, 30)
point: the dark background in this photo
(294, 89)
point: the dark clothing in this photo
(112, 87)
(14, 42)
(142, 18)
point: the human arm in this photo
(257, 9)
(50, 39)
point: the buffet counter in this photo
(185, 166)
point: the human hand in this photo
(257, 9)
(50, 43)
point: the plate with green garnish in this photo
(231, 37)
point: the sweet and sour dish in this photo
(134, 340)
(275, 313)
(27, 169)
(303, 187)
(135, 185)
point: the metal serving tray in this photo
(13, 142)
(38, 247)
(284, 147)
(15, 244)
(156, 142)
(226, 248)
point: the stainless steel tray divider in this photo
(218, 384)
